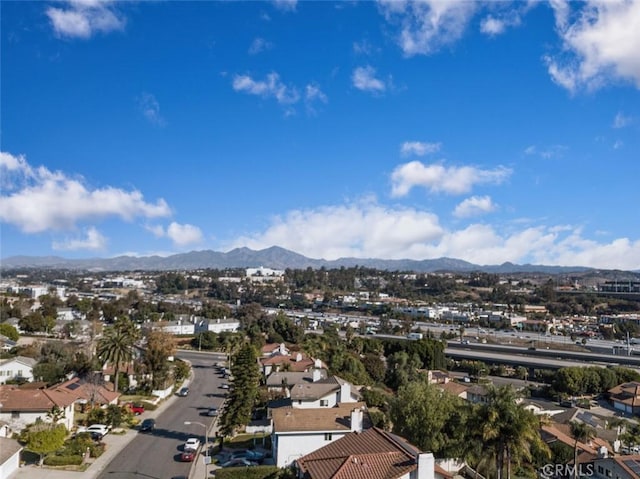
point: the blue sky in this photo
(486, 131)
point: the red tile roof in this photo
(371, 454)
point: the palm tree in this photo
(507, 430)
(116, 346)
(580, 432)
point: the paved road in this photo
(156, 456)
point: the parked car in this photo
(240, 462)
(188, 455)
(97, 429)
(249, 454)
(136, 409)
(224, 386)
(192, 443)
(183, 392)
(212, 411)
(148, 425)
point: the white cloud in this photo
(313, 95)
(181, 234)
(150, 109)
(286, 5)
(599, 46)
(474, 206)
(363, 47)
(259, 45)
(419, 148)
(367, 229)
(37, 199)
(437, 178)
(185, 234)
(428, 25)
(271, 87)
(618, 144)
(492, 26)
(364, 78)
(530, 150)
(82, 19)
(93, 240)
(553, 151)
(621, 120)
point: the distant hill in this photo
(274, 257)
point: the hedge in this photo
(253, 472)
(63, 460)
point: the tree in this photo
(508, 431)
(9, 331)
(419, 407)
(160, 347)
(243, 394)
(44, 438)
(116, 346)
(580, 432)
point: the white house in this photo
(22, 406)
(176, 327)
(217, 325)
(322, 393)
(9, 456)
(297, 432)
(19, 368)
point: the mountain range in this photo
(274, 257)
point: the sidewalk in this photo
(199, 470)
(115, 443)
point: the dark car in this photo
(188, 455)
(183, 392)
(148, 425)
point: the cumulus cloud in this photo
(364, 78)
(367, 229)
(84, 18)
(419, 148)
(621, 120)
(37, 199)
(440, 179)
(92, 240)
(312, 96)
(271, 87)
(474, 206)
(600, 44)
(492, 26)
(259, 45)
(181, 234)
(150, 109)
(428, 25)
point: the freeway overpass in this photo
(512, 359)
(545, 355)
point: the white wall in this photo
(10, 370)
(332, 400)
(21, 419)
(11, 465)
(290, 446)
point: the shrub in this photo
(63, 460)
(257, 472)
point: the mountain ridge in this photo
(273, 257)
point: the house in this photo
(6, 344)
(274, 349)
(435, 376)
(176, 327)
(19, 369)
(9, 456)
(455, 389)
(477, 394)
(540, 408)
(298, 363)
(551, 433)
(324, 393)
(282, 382)
(85, 392)
(217, 326)
(626, 397)
(22, 406)
(370, 454)
(297, 432)
(619, 467)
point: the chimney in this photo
(357, 420)
(426, 466)
(317, 375)
(603, 453)
(298, 357)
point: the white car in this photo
(98, 428)
(192, 443)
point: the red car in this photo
(188, 455)
(135, 408)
